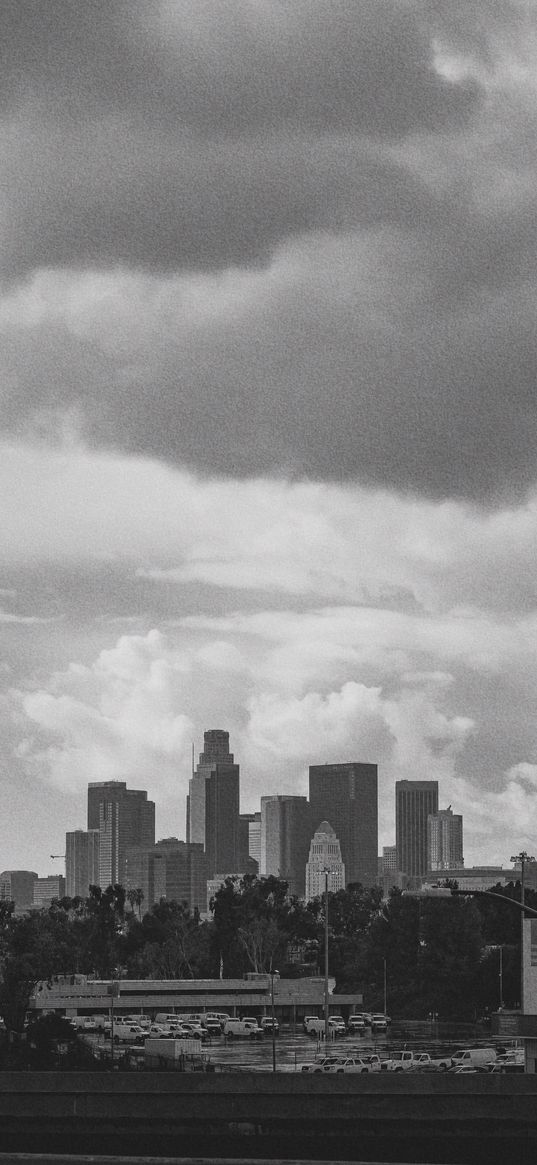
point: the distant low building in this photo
(18, 886)
(46, 890)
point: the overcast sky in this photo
(268, 276)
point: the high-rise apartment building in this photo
(414, 801)
(81, 862)
(444, 840)
(124, 817)
(346, 795)
(325, 868)
(213, 804)
(286, 832)
(18, 886)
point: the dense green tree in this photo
(451, 949)
(169, 943)
(394, 944)
(32, 948)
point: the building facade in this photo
(124, 818)
(346, 795)
(162, 871)
(81, 862)
(325, 868)
(414, 802)
(285, 837)
(46, 890)
(213, 808)
(18, 886)
(250, 838)
(444, 840)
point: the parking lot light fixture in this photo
(521, 860)
(272, 974)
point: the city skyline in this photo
(268, 425)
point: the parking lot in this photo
(292, 1049)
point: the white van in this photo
(314, 1026)
(248, 1028)
(128, 1033)
(473, 1057)
(83, 1023)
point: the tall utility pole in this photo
(521, 859)
(326, 873)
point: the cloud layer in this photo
(267, 384)
(290, 239)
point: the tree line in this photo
(434, 957)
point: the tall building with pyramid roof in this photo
(324, 862)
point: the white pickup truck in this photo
(407, 1061)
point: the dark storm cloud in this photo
(189, 136)
(198, 133)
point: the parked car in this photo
(102, 1022)
(339, 1022)
(83, 1023)
(315, 1026)
(128, 1033)
(269, 1025)
(357, 1023)
(143, 1020)
(319, 1064)
(197, 1030)
(245, 1028)
(220, 1016)
(158, 1030)
(379, 1022)
(403, 1061)
(213, 1027)
(373, 1060)
(476, 1057)
(350, 1064)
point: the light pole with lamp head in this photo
(522, 859)
(326, 872)
(272, 974)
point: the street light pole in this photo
(272, 973)
(385, 989)
(326, 873)
(522, 858)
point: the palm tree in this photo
(136, 898)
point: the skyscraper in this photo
(346, 795)
(124, 817)
(213, 804)
(414, 801)
(444, 840)
(81, 862)
(286, 832)
(250, 839)
(324, 863)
